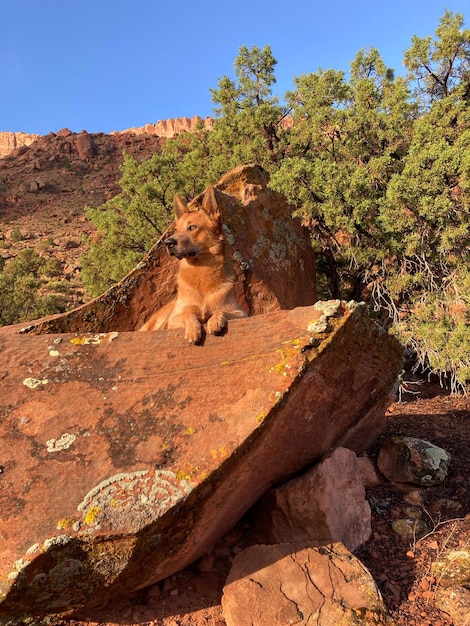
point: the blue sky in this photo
(106, 65)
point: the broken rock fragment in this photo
(326, 504)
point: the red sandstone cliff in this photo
(170, 128)
(9, 142)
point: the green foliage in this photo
(425, 215)
(439, 66)
(377, 166)
(46, 244)
(16, 235)
(249, 123)
(130, 222)
(24, 290)
(345, 147)
(385, 191)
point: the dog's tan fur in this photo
(205, 279)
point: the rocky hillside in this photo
(9, 142)
(46, 184)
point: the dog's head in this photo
(197, 232)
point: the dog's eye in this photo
(192, 227)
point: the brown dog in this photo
(205, 279)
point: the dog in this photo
(205, 280)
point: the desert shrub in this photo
(16, 235)
(20, 289)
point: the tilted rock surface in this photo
(297, 583)
(126, 455)
(326, 504)
(271, 255)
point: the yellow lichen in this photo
(65, 522)
(92, 514)
(220, 453)
(293, 342)
(190, 431)
(182, 475)
(82, 341)
(284, 365)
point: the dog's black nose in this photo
(170, 242)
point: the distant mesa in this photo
(170, 128)
(9, 141)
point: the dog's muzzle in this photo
(176, 250)
(170, 243)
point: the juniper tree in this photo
(347, 140)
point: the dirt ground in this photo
(400, 566)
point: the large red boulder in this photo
(126, 455)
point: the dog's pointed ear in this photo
(209, 203)
(179, 206)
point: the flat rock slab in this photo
(124, 456)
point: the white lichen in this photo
(33, 383)
(34, 548)
(64, 442)
(228, 234)
(60, 540)
(329, 308)
(319, 326)
(145, 495)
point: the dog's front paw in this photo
(193, 331)
(216, 324)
